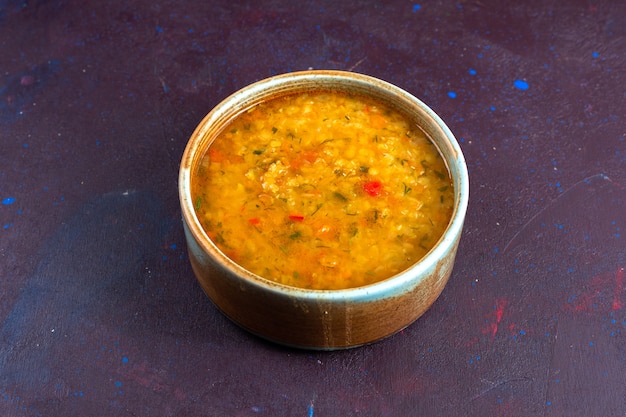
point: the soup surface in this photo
(323, 190)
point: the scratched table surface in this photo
(100, 314)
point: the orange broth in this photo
(323, 190)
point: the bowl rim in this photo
(240, 101)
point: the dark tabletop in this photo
(100, 313)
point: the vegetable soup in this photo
(323, 190)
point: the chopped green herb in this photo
(198, 203)
(258, 151)
(219, 238)
(295, 235)
(407, 189)
(339, 196)
(364, 169)
(274, 129)
(440, 175)
(317, 208)
(373, 216)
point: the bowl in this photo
(313, 318)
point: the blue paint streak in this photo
(521, 84)
(451, 94)
(8, 200)
(310, 410)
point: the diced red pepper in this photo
(296, 217)
(373, 188)
(254, 221)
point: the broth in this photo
(323, 190)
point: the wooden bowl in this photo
(322, 319)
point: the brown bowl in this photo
(322, 319)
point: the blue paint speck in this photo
(595, 54)
(124, 359)
(159, 29)
(520, 85)
(118, 384)
(451, 94)
(8, 200)
(416, 7)
(472, 71)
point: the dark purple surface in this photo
(100, 313)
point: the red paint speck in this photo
(600, 294)
(492, 328)
(27, 80)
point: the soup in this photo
(323, 190)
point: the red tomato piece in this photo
(373, 188)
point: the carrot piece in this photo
(296, 217)
(216, 156)
(378, 121)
